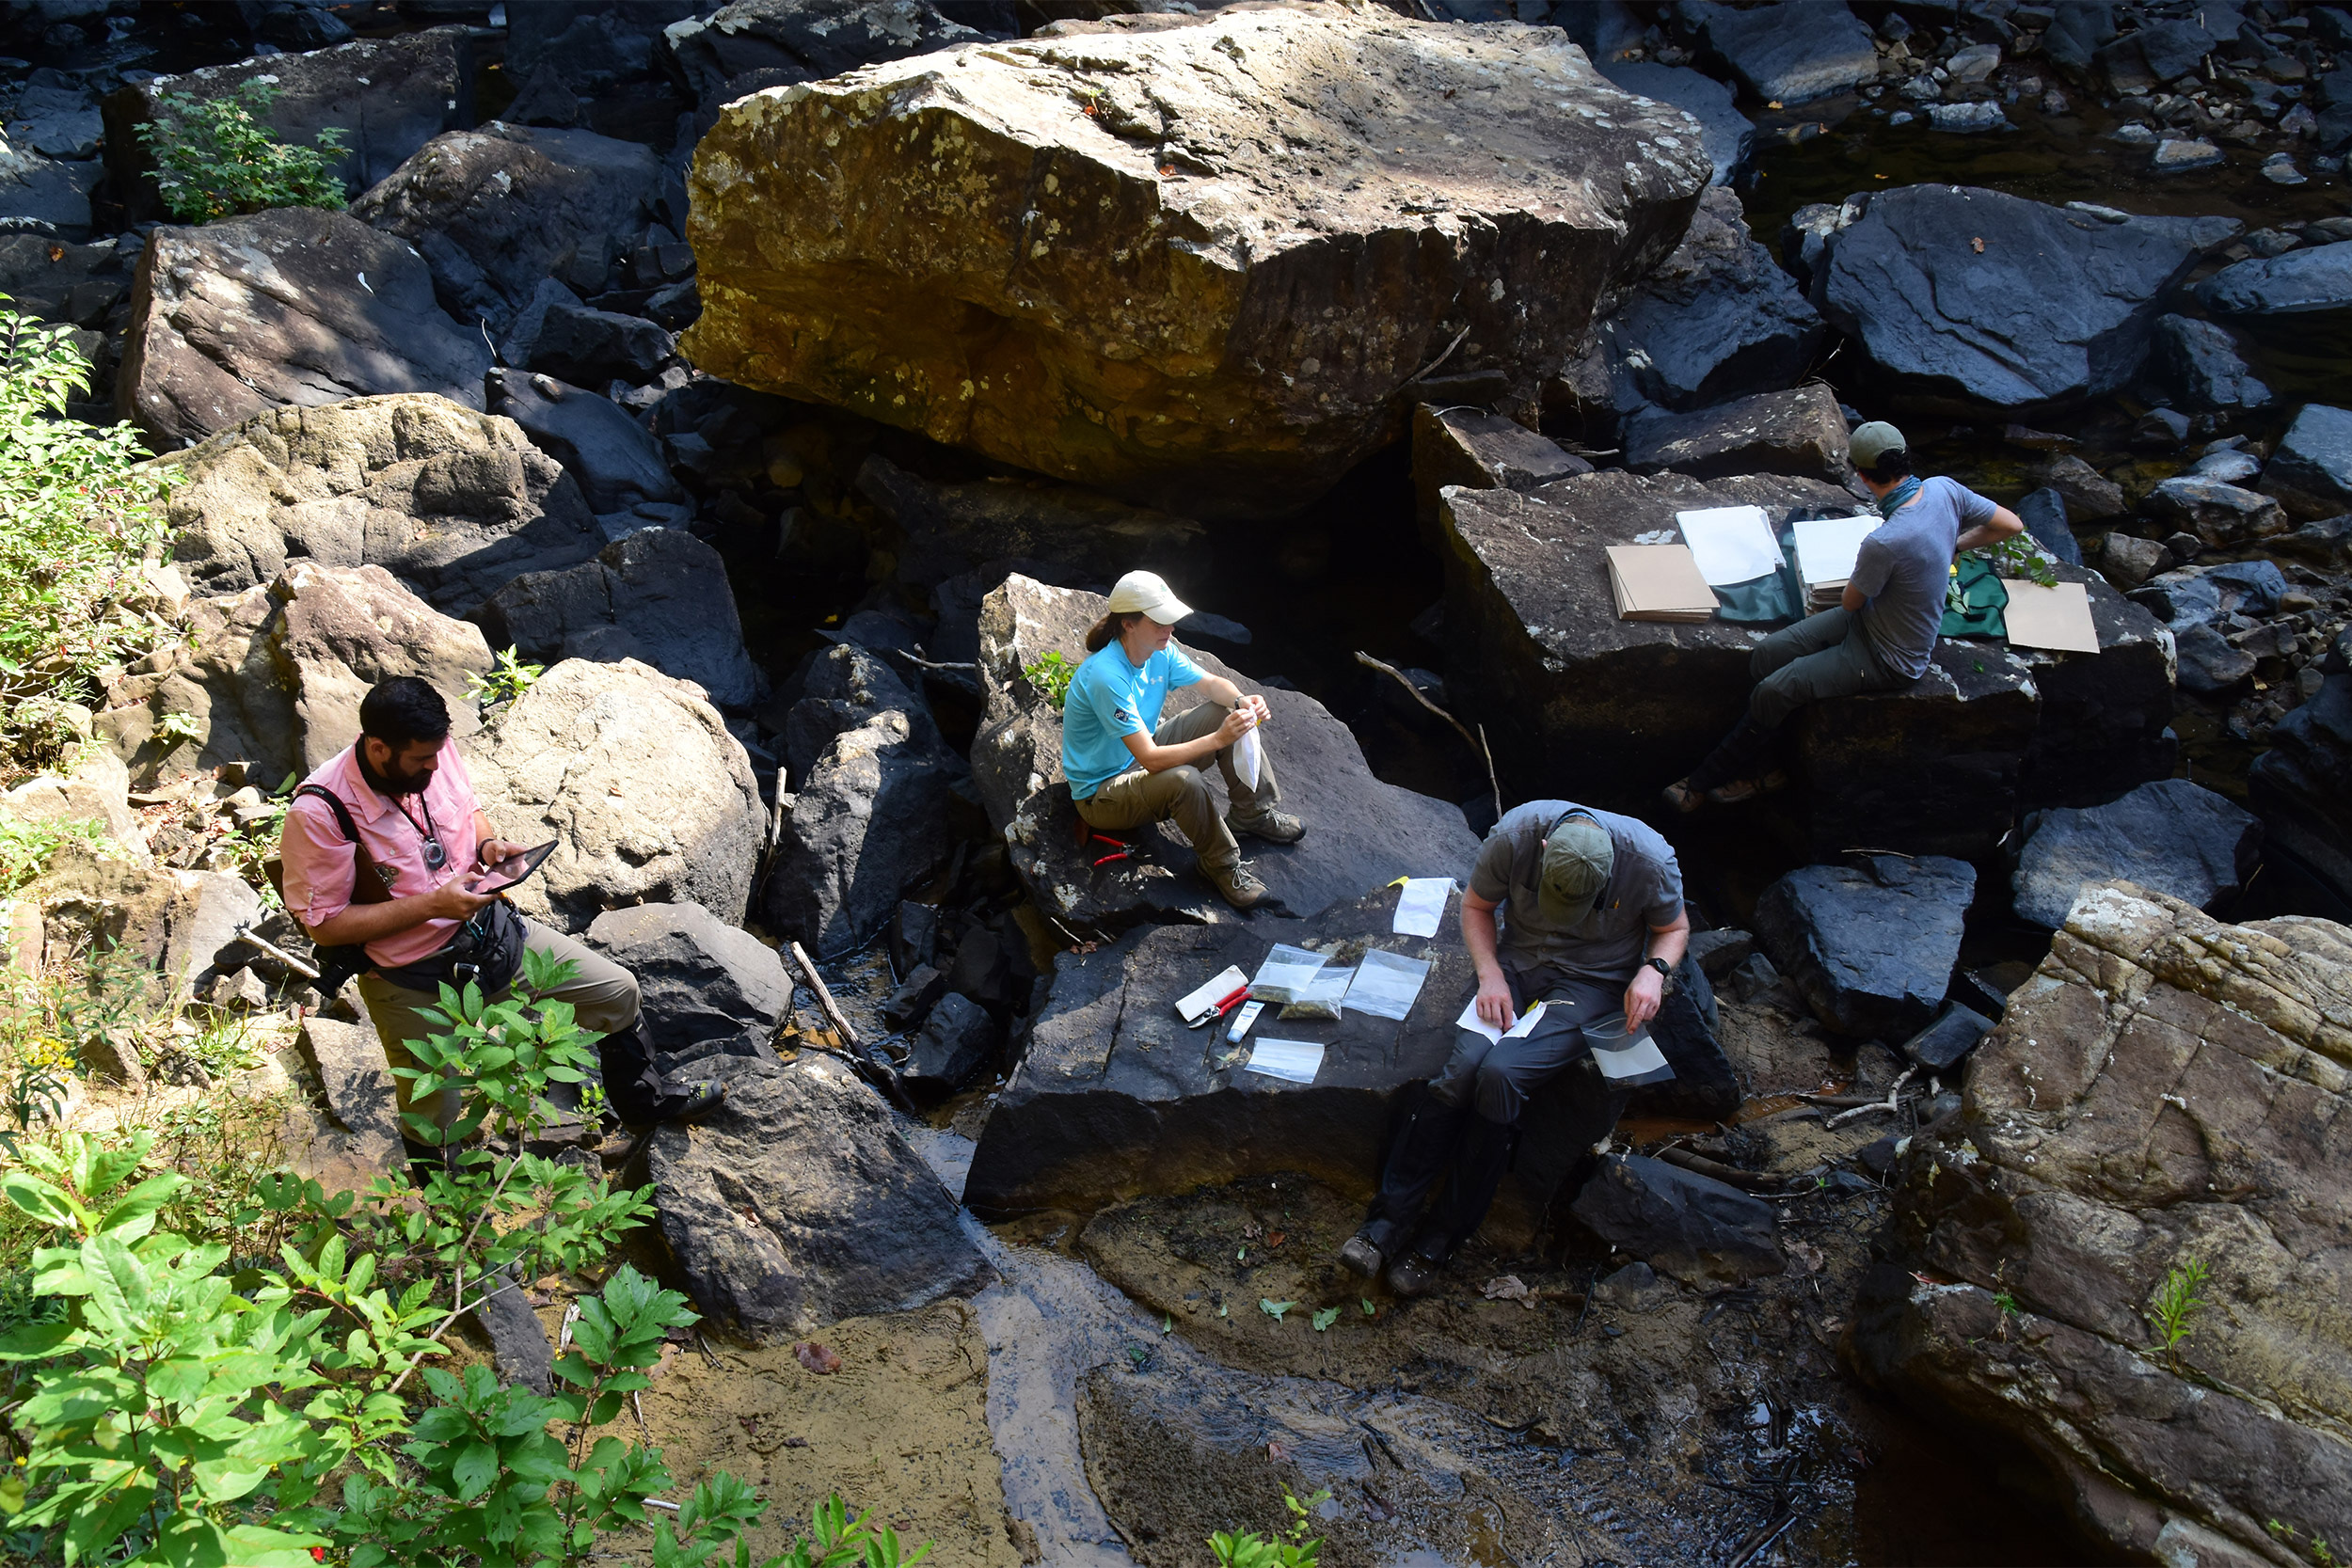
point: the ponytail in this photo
(1109, 630)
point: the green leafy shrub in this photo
(508, 679)
(215, 157)
(77, 522)
(1292, 1548)
(1051, 675)
(2173, 1311)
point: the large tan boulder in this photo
(1195, 262)
(2167, 1093)
(452, 502)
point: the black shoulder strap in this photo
(335, 803)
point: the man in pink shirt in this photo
(423, 840)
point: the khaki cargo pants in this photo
(1138, 797)
(603, 996)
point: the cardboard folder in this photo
(2055, 618)
(1658, 583)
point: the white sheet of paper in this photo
(1245, 759)
(1293, 1061)
(1826, 547)
(1638, 1060)
(1470, 1020)
(1216, 989)
(1421, 906)
(1730, 544)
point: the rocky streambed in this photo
(790, 379)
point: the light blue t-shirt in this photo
(1109, 699)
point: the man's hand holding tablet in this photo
(506, 865)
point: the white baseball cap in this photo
(1149, 593)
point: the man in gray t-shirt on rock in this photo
(1592, 923)
(1881, 634)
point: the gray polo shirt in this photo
(1644, 892)
(1905, 567)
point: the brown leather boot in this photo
(1235, 884)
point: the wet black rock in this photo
(2222, 517)
(1790, 51)
(1360, 831)
(389, 96)
(940, 530)
(2199, 595)
(1482, 450)
(591, 43)
(913, 936)
(1799, 432)
(956, 1042)
(574, 342)
(2311, 472)
(840, 688)
(499, 211)
(296, 306)
(1939, 1047)
(62, 282)
(1869, 946)
(658, 594)
(799, 1203)
(2043, 512)
(2208, 664)
(2128, 560)
(698, 977)
(617, 463)
(1727, 133)
(2090, 496)
(785, 42)
(2313, 286)
(2055, 308)
(1116, 1098)
(2168, 835)
(2302, 785)
(48, 197)
(2198, 363)
(1694, 1227)
(912, 998)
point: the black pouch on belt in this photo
(486, 951)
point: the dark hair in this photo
(1893, 464)
(403, 709)
(1110, 628)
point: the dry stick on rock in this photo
(855, 1051)
(245, 934)
(1443, 357)
(1478, 740)
(1891, 1103)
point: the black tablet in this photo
(513, 869)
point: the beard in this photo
(393, 783)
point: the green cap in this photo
(1873, 441)
(1578, 855)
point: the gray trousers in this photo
(1821, 657)
(1497, 1078)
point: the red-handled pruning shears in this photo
(1220, 1010)
(1120, 848)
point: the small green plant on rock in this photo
(1290, 1549)
(2176, 1306)
(506, 680)
(216, 158)
(1051, 675)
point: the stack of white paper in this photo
(1730, 544)
(1826, 548)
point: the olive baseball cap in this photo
(1873, 441)
(1578, 856)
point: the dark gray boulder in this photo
(1361, 833)
(1483, 452)
(615, 460)
(805, 40)
(497, 211)
(2043, 512)
(1799, 432)
(389, 96)
(699, 977)
(291, 307)
(1870, 946)
(2310, 471)
(2197, 361)
(2089, 494)
(2076, 35)
(956, 1041)
(1939, 1047)
(1792, 51)
(591, 43)
(2168, 835)
(1727, 134)
(60, 281)
(868, 818)
(1115, 1098)
(938, 531)
(912, 999)
(2222, 517)
(48, 197)
(55, 117)
(518, 1341)
(2057, 307)
(1716, 320)
(2302, 785)
(573, 342)
(2209, 665)
(659, 596)
(2313, 286)
(1694, 1227)
(799, 1203)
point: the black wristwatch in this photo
(1663, 968)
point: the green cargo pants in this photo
(1138, 797)
(1821, 657)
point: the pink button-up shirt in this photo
(320, 863)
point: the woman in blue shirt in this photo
(1127, 766)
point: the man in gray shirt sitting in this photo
(1884, 629)
(1592, 923)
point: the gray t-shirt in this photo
(1644, 892)
(1905, 567)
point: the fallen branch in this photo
(1729, 1175)
(245, 934)
(824, 998)
(1478, 740)
(1442, 358)
(1892, 1103)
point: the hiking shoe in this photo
(1361, 1256)
(1682, 797)
(1236, 885)
(697, 1100)
(1414, 1275)
(1275, 827)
